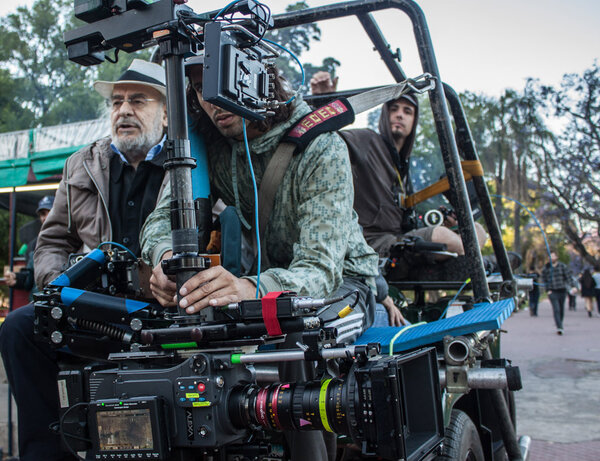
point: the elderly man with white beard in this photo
(106, 193)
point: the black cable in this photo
(116, 57)
(264, 23)
(63, 435)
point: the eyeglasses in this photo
(136, 102)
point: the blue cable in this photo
(225, 8)
(455, 296)
(537, 223)
(255, 208)
(295, 59)
(123, 247)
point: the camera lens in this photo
(320, 405)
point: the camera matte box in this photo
(411, 379)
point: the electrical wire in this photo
(64, 436)
(225, 8)
(295, 59)
(466, 282)
(256, 224)
(401, 332)
(116, 58)
(330, 301)
(123, 247)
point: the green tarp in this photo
(14, 172)
(50, 163)
(39, 153)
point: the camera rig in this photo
(163, 387)
(236, 76)
(162, 384)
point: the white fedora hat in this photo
(140, 72)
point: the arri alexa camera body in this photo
(156, 383)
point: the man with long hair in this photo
(312, 243)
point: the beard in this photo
(135, 148)
(233, 130)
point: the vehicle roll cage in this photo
(450, 143)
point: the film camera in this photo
(157, 383)
(164, 387)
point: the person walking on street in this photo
(534, 293)
(588, 290)
(573, 290)
(596, 276)
(557, 280)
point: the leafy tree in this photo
(48, 88)
(571, 160)
(297, 39)
(13, 116)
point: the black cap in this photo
(45, 204)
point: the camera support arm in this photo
(184, 230)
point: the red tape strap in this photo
(269, 312)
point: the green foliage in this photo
(297, 39)
(39, 85)
(13, 116)
(4, 233)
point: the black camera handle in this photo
(185, 261)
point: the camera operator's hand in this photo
(10, 278)
(214, 286)
(322, 82)
(163, 288)
(450, 220)
(395, 316)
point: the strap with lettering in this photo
(331, 117)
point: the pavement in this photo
(559, 405)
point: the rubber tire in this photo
(461, 441)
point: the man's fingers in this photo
(204, 284)
(218, 298)
(222, 298)
(163, 300)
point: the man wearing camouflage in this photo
(313, 242)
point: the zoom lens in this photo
(390, 406)
(319, 405)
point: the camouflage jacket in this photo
(313, 238)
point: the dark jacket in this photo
(557, 277)
(376, 169)
(588, 284)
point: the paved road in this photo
(559, 406)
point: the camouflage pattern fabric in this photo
(313, 239)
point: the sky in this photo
(484, 46)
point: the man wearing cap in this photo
(107, 190)
(24, 279)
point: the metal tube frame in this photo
(448, 144)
